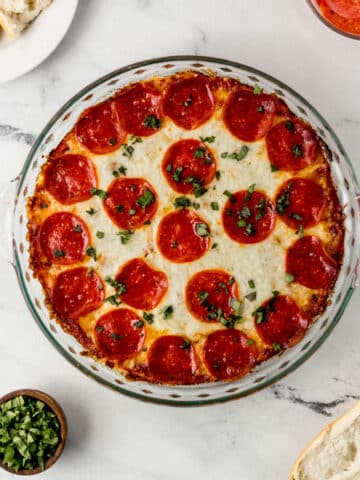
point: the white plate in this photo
(37, 41)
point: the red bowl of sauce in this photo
(343, 16)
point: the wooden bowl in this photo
(55, 407)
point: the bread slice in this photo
(15, 15)
(334, 454)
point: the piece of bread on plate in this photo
(334, 454)
(15, 15)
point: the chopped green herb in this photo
(125, 236)
(132, 212)
(250, 230)
(249, 192)
(241, 223)
(139, 323)
(173, 244)
(297, 150)
(283, 201)
(214, 206)
(203, 295)
(152, 122)
(251, 296)
(169, 167)
(114, 300)
(200, 152)
(120, 171)
(186, 345)
(251, 283)
(228, 212)
(196, 205)
(217, 175)
(240, 155)
(100, 234)
(230, 195)
(99, 193)
(91, 252)
(257, 90)
(208, 139)
(149, 317)
(214, 245)
(296, 216)
(261, 109)
(275, 293)
(250, 341)
(127, 150)
(148, 222)
(118, 286)
(290, 126)
(134, 139)
(168, 312)
(244, 212)
(236, 306)
(115, 336)
(289, 277)
(198, 190)
(99, 328)
(260, 315)
(78, 228)
(182, 202)
(202, 230)
(177, 174)
(300, 231)
(112, 141)
(224, 154)
(273, 168)
(29, 433)
(276, 347)
(119, 208)
(59, 253)
(146, 199)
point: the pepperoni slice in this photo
(300, 201)
(291, 145)
(120, 334)
(249, 116)
(188, 165)
(183, 236)
(209, 292)
(98, 129)
(248, 217)
(229, 354)
(140, 110)
(344, 8)
(311, 266)
(189, 102)
(145, 287)
(70, 178)
(77, 292)
(280, 323)
(63, 238)
(130, 202)
(172, 360)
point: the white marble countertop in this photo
(112, 436)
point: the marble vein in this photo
(16, 134)
(285, 392)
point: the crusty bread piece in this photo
(334, 454)
(15, 15)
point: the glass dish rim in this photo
(21, 280)
(327, 23)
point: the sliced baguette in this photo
(16, 15)
(334, 454)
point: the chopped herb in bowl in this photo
(32, 432)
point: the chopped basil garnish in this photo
(168, 312)
(127, 150)
(244, 212)
(203, 295)
(202, 230)
(182, 202)
(169, 167)
(297, 150)
(224, 154)
(257, 90)
(114, 300)
(290, 126)
(29, 433)
(149, 317)
(208, 139)
(91, 252)
(283, 201)
(214, 245)
(186, 345)
(115, 336)
(217, 175)
(276, 347)
(240, 155)
(118, 286)
(177, 174)
(300, 231)
(99, 328)
(249, 192)
(260, 109)
(200, 152)
(100, 234)
(230, 195)
(152, 122)
(134, 139)
(91, 211)
(112, 141)
(78, 228)
(139, 323)
(251, 296)
(146, 199)
(296, 216)
(251, 283)
(289, 277)
(132, 212)
(125, 236)
(59, 253)
(273, 168)
(120, 171)
(250, 341)
(99, 193)
(214, 206)
(236, 306)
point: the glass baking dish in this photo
(267, 372)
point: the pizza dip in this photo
(187, 229)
